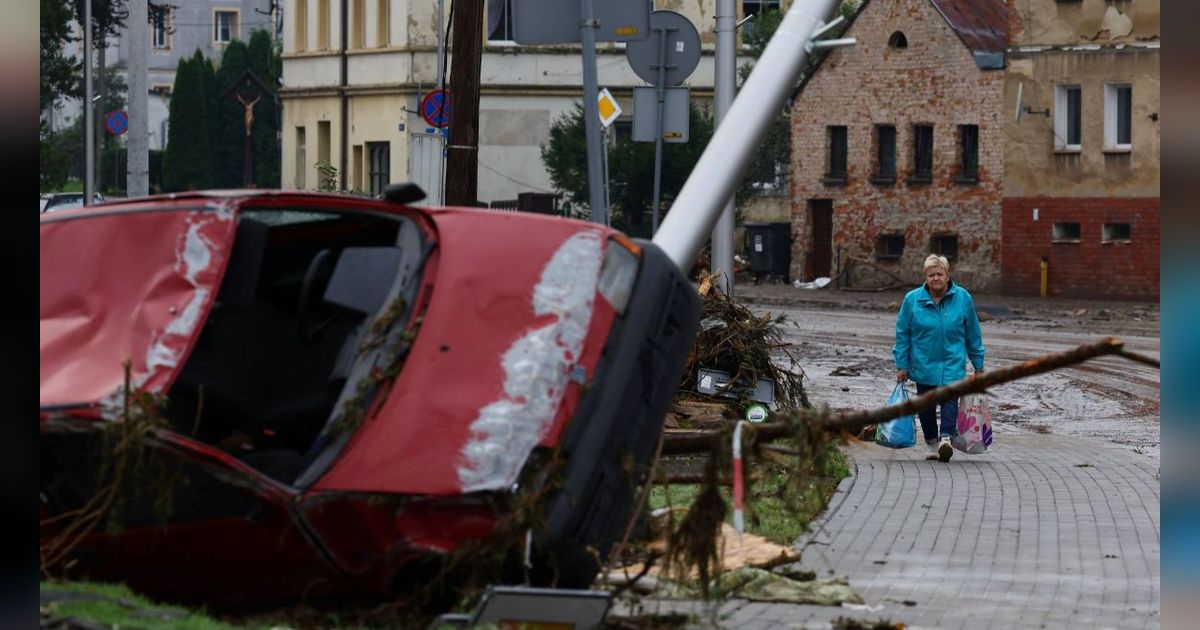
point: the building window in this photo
(922, 167)
(898, 40)
(968, 154)
(944, 245)
(322, 24)
(885, 155)
(323, 134)
(1068, 118)
(160, 28)
(889, 246)
(358, 29)
(301, 25)
(1118, 116)
(755, 7)
(500, 22)
(301, 159)
(1065, 233)
(383, 23)
(225, 26)
(379, 154)
(835, 172)
(1116, 233)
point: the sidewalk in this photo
(1042, 531)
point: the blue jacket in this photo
(933, 341)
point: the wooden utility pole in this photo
(462, 157)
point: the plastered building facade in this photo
(368, 123)
(1082, 139)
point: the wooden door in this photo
(820, 258)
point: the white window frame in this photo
(168, 18)
(487, 36)
(1061, 118)
(234, 26)
(1111, 116)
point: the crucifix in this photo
(248, 90)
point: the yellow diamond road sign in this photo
(609, 108)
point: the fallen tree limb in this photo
(1140, 358)
(852, 422)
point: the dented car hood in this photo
(129, 286)
(512, 327)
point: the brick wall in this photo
(1089, 267)
(932, 81)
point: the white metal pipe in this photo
(712, 181)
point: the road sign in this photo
(610, 109)
(676, 116)
(557, 21)
(116, 122)
(682, 49)
(435, 108)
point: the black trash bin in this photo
(770, 249)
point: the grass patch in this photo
(116, 606)
(775, 508)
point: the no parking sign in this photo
(116, 122)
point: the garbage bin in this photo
(770, 249)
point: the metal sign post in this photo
(609, 110)
(662, 32)
(665, 59)
(591, 114)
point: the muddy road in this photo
(845, 352)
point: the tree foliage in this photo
(207, 128)
(58, 71)
(631, 168)
(187, 162)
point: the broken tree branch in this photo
(1140, 358)
(703, 441)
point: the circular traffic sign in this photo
(116, 122)
(682, 49)
(435, 108)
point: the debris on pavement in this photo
(845, 370)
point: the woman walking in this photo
(937, 330)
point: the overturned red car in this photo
(351, 385)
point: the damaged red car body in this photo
(351, 385)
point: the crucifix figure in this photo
(249, 110)
(248, 90)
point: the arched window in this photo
(898, 40)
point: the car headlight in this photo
(619, 272)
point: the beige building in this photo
(357, 106)
(1081, 186)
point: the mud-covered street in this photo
(1111, 398)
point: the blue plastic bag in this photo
(901, 432)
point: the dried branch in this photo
(852, 422)
(1140, 358)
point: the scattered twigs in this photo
(617, 551)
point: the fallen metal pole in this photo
(699, 204)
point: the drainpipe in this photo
(1045, 273)
(345, 99)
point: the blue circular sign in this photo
(435, 108)
(116, 122)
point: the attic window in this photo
(898, 40)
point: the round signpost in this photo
(116, 122)
(435, 108)
(682, 49)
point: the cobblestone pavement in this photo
(1046, 530)
(1043, 531)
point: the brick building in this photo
(898, 146)
(1081, 186)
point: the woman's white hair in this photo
(936, 261)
